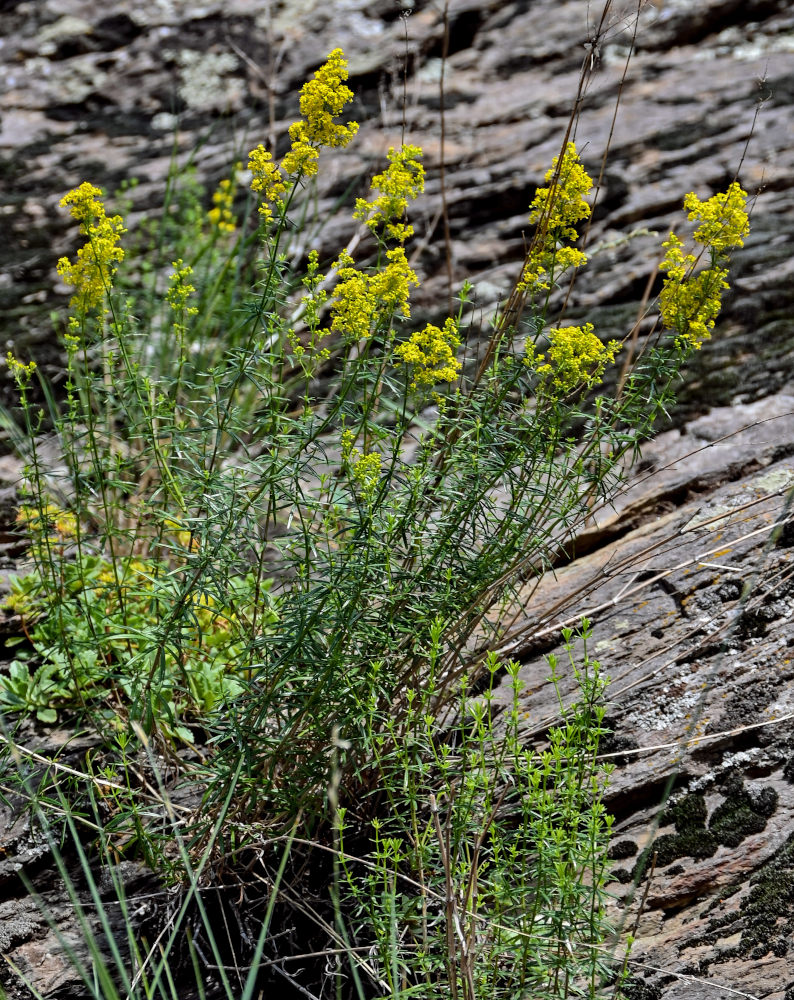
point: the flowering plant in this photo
(226, 545)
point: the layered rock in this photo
(706, 97)
(687, 580)
(687, 583)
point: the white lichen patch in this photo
(708, 517)
(745, 43)
(72, 79)
(713, 516)
(205, 83)
(775, 481)
(665, 707)
(164, 121)
(65, 27)
(168, 10)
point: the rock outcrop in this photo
(104, 96)
(688, 580)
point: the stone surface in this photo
(688, 586)
(89, 94)
(688, 579)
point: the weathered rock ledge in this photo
(689, 584)
(688, 581)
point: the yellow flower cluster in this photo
(266, 180)
(92, 271)
(221, 216)
(302, 159)
(50, 517)
(366, 471)
(20, 371)
(556, 210)
(177, 295)
(366, 468)
(723, 219)
(322, 100)
(575, 357)
(404, 178)
(431, 354)
(363, 301)
(690, 303)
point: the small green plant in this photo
(487, 869)
(107, 610)
(315, 578)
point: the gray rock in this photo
(687, 584)
(687, 579)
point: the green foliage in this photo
(107, 611)
(486, 871)
(316, 577)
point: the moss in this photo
(689, 813)
(691, 838)
(770, 901)
(691, 844)
(622, 849)
(636, 989)
(765, 918)
(742, 813)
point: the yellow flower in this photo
(84, 204)
(177, 295)
(266, 180)
(563, 204)
(366, 468)
(221, 215)
(556, 210)
(431, 354)
(366, 471)
(20, 371)
(323, 99)
(690, 303)
(723, 219)
(354, 305)
(363, 302)
(404, 178)
(391, 285)
(92, 271)
(575, 357)
(303, 158)
(48, 518)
